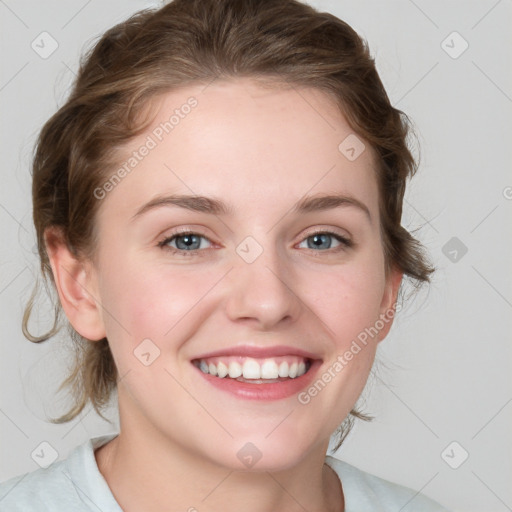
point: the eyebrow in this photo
(215, 206)
(194, 203)
(328, 202)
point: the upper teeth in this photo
(250, 368)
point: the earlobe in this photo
(389, 300)
(76, 287)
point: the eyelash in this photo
(345, 243)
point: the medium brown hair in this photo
(189, 42)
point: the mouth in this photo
(256, 376)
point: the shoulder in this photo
(39, 490)
(364, 491)
(74, 483)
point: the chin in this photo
(257, 454)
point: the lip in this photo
(259, 352)
(263, 392)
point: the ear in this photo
(76, 285)
(388, 304)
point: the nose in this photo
(262, 292)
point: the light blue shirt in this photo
(75, 484)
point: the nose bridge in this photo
(260, 287)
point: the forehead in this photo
(247, 142)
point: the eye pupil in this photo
(187, 241)
(320, 239)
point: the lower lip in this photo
(270, 391)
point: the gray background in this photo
(444, 373)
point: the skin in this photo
(260, 150)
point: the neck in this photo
(153, 474)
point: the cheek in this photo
(349, 301)
(145, 302)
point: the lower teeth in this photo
(261, 381)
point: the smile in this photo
(258, 374)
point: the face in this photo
(251, 315)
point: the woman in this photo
(218, 206)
